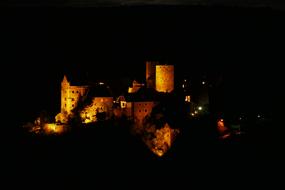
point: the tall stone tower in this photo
(64, 93)
(70, 95)
(164, 78)
(150, 73)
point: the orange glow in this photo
(222, 129)
(164, 79)
(52, 128)
(162, 141)
(123, 104)
(221, 126)
(187, 99)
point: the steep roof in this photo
(143, 94)
(99, 90)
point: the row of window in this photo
(72, 105)
(73, 91)
(142, 110)
(142, 104)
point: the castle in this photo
(136, 105)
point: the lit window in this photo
(123, 104)
(187, 98)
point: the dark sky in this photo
(270, 3)
(41, 44)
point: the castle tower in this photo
(64, 93)
(150, 74)
(164, 78)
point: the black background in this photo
(40, 44)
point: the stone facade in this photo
(99, 105)
(164, 78)
(70, 96)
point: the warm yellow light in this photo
(53, 128)
(200, 108)
(187, 98)
(123, 104)
(203, 82)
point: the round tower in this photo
(150, 74)
(64, 93)
(164, 78)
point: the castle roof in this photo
(143, 95)
(99, 90)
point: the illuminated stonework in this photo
(136, 86)
(164, 78)
(162, 141)
(141, 110)
(70, 96)
(52, 128)
(99, 105)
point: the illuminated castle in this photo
(99, 101)
(141, 100)
(160, 77)
(138, 104)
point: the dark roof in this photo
(99, 90)
(143, 94)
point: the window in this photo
(139, 110)
(145, 110)
(72, 105)
(64, 105)
(65, 99)
(77, 92)
(72, 99)
(73, 91)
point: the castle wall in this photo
(129, 109)
(164, 80)
(99, 105)
(141, 110)
(70, 97)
